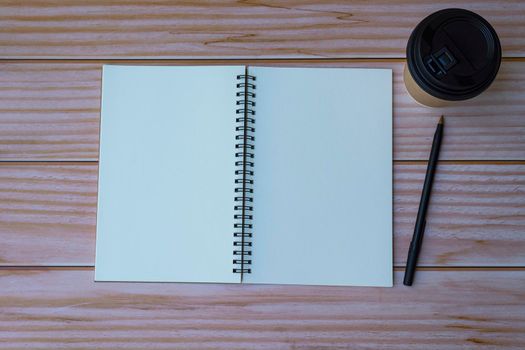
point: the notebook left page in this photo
(166, 169)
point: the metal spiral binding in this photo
(244, 147)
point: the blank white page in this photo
(323, 177)
(165, 197)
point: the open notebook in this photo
(245, 174)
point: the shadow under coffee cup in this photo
(452, 55)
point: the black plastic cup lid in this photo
(454, 54)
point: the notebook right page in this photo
(323, 177)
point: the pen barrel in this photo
(429, 176)
(411, 267)
(419, 229)
(413, 253)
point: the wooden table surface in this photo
(470, 290)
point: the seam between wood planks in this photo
(395, 268)
(217, 60)
(23, 162)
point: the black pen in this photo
(419, 229)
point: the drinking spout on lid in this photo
(440, 62)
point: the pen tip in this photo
(441, 120)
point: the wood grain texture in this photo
(445, 310)
(232, 29)
(476, 216)
(47, 214)
(50, 111)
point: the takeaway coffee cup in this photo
(452, 55)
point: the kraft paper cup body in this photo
(419, 95)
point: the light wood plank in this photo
(50, 111)
(47, 214)
(232, 29)
(444, 310)
(476, 217)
